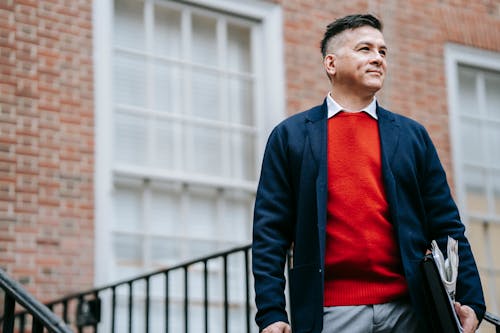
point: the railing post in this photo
(37, 326)
(146, 315)
(113, 308)
(9, 305)
(205, 292)
(247, 289)
(65, 311)
(96, 324)
(22, 320)
(186, 303)
(226, 296)
(80, 299)
(130, 306)
(167, 300)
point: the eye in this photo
(364, 48)
(383, 53)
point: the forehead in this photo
(362, 34)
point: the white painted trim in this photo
(102, 29)
(256, 9)
(451, 63)
(467, 55)
(155, 174)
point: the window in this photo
(185, 132)
(474, 90)
(180, 90)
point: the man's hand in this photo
(467, 317)
(278, 327)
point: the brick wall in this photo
(416, 33)
(47, 122)
(46, 144)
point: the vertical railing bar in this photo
(247, 290)
(22, 322)
(9, 306)
(113, 308)
(65, 311)
(37, 326)
(186, 303)
(80, 299)
(130, 306)
(166, 302)
(205, 296)
(96, 296)
(226, 301)
(146, 315)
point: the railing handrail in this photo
(492, 319)
(148, 275)
(32, 305)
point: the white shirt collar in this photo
(334, 107)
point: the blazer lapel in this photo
(389, 138)
(316, 124)
(389, 133)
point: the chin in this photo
(375, 84)
(374, 87)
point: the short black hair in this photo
(348, 22)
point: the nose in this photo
(377, 58)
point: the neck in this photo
(350, 100)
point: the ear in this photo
(329, 64)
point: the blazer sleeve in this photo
(272, 230)
(443, 220)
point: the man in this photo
(358, 193)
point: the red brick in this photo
(47, 109)
(45, 66)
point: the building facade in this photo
(131, 131)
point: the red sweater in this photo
(362, 260)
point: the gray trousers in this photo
(394, 317)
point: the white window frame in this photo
(456, 55)
(270, 103)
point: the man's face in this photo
(358, 60)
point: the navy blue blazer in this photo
(290, 208)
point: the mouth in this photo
(376, 72)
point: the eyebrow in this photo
(383, 46)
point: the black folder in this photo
(440, 307)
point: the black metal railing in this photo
(493, 319)
(130, 306)
(195, 296)
(40, 318)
